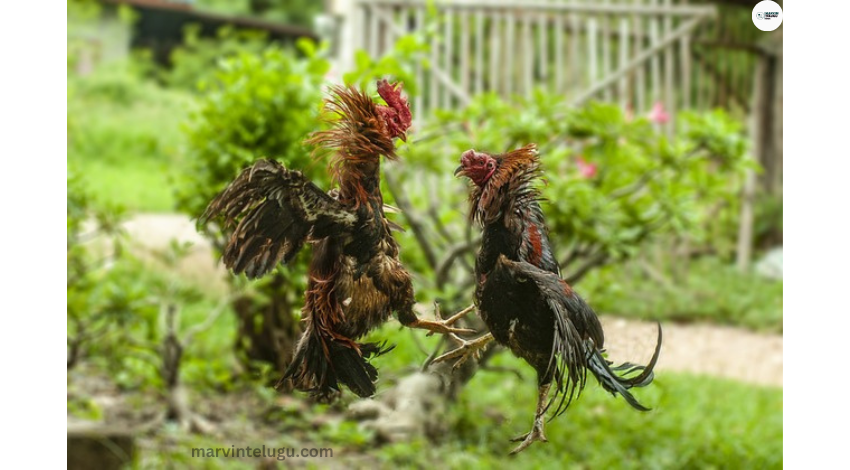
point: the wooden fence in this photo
(633, 52)
(685, 54)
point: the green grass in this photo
(696, 422)
(711, 291)
(124, 136)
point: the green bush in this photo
(709, 290)
(257, 106)
(104, 302)
(193, 62)
(612, 184)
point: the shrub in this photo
(612, 184)
(257, 106)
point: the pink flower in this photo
(585, 168)
(658, 114)
(630, 113)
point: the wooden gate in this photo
(635, 52)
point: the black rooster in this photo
(522, 298)
(356, 279)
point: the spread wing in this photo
(275, 212)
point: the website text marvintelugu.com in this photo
(279, 453)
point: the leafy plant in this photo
(257, 106)
(101, 302)
(612, 184)
(196, 58)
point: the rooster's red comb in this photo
(391, 93)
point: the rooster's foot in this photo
(527, 439)
(467, 349)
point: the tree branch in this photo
(458, 249)
(413, 219)
(598, 259)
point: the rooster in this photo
(355, 278)
(522, 298)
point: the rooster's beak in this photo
(460, 171)
(403, 137)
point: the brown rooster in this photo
(521, 296)
(356, 279)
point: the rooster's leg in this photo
(536, 433)
(466, 350)
(457, 316)
(410, 320)
(452, 319)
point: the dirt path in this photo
(728, 352)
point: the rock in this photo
(98, 446)
(411, 408)
(770, 266)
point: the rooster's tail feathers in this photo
(321, 363)
(616, 379)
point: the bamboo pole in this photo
(624, 48)
(448, 51)
(419, 100)
(655, 66)
(575, 38)
(479, 51)
(463, 19)
(559, 53)
(747, 219)
(592, 50)
(372, 48)
(669, 69)
(543, 47)
(646, 55)
(495, 56)
(640, 43)
(434, 92)
(510, 52)
(527, 54)
(605, 29)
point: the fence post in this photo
(346, 40)
(758, 116)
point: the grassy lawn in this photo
(712, 290)
(124, 136)
(696, 422)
